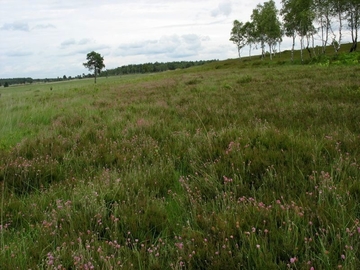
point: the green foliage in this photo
(9, 81)
(350, 59)
(153, 67)
(245, 79)
(94, 62)
(347, 59)
(228, 165)
(266, 25)
(238, 35)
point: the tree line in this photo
(8, 81)
(300, 18)
(96, 62)
(152, 67)
(123, 70)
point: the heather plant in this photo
(224, 166)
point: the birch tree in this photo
(323, 16)
(238, 36)
(267, 26)
(288, 12)
(298, 16)
(250, 35)
(338, 8)
(353, 17)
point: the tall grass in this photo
(218, 167)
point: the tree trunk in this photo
(354, 40)
(322, 35)
(340, 29)
(313, 44)
(354, 46)
(292, 49)
(95, 74)
(354, 34)
(307, 45)
(327, 20)
(279, 50)
(301, 48)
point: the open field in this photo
(225, 166)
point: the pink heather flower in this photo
(293, 260)
(226, 180)
(343, 256)
(180, 245)
(312, 268)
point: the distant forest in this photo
(152, 67)
(123, 70)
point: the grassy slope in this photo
(223, 166)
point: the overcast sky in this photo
(50, 38)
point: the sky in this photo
(50, 38)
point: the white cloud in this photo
(82, 45)
(15, 26)
(44, 26)
(84, 41)
(224, 8)
(67, 43)
(173, 46)
(18, 53)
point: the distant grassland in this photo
(231, 165)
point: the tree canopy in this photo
(238, 35)
(305, 19)
(94, 62)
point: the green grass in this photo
(232, 165)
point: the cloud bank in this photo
(173, 46)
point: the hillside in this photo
(234, 164)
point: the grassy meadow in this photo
(231, 165)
